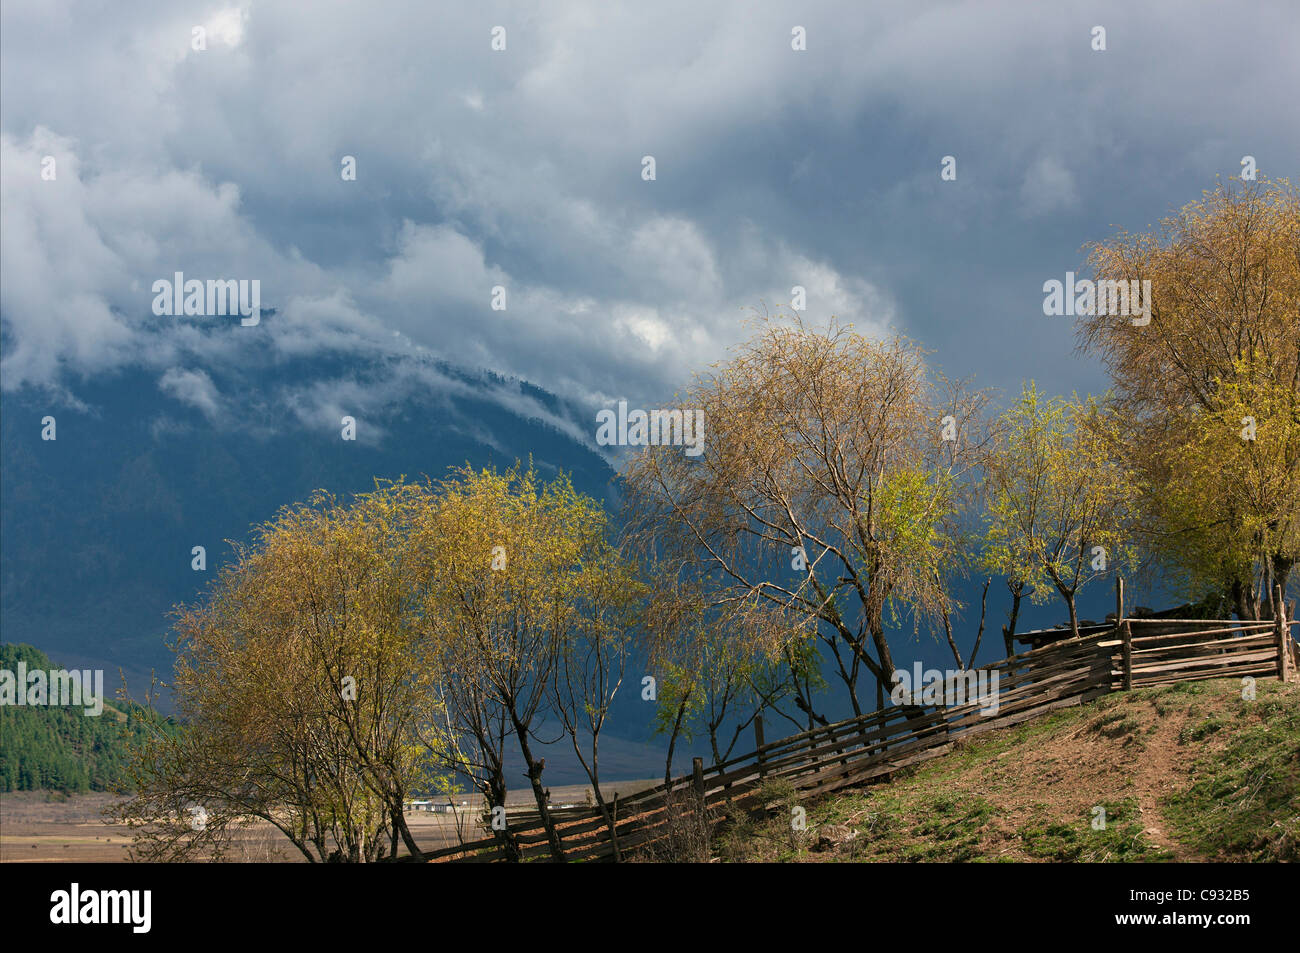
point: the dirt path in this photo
(1162, 758)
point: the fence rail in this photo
(857, 750)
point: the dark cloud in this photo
(522, 169)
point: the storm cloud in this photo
(522, 169)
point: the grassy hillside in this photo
(62, 749)
(1185, 772)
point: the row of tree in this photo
(408, 639)
(887, 481)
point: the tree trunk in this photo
(672, 739)
(1068, 595)
(407, 838)
(1282, 566)
(1239, 601)
(984, 605)
(497, 798)
(610, 821)
(853, 698)
(1009, 630)
(882, 648)
(947, 631)
(539, 792)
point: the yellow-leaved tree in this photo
(1057, 499)
(825, 507)
(1222, 345)
(529, 607)
(305, 692)
(1229, 508)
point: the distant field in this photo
(33, 828)
(40, 827)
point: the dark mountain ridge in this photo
(98, 525)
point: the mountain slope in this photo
(97, 526)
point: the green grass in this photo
(1233, 789)
(1120, 840)
(1115, 724)
(1244, 802)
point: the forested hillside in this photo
(62, 748)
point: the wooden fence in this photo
(855, 751)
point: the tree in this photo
(522, 580)
(1224, 332)
(304, 692)
(716, 678)
(826, 502)
(592, 657)
(1057, 499)
(1228, 509)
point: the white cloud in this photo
(61, 278)
(82, 251)
(227, 26)
(193, 387)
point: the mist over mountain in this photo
(98, 525)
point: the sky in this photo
(523, 168)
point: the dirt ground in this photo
(33, 828)
(1082, 767)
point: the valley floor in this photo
(44, 826)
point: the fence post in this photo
(758, 744)
(1127, 636)
(830, 733)
(1280, 626)
(1125, 633)
(697, 781)
(613, 829)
